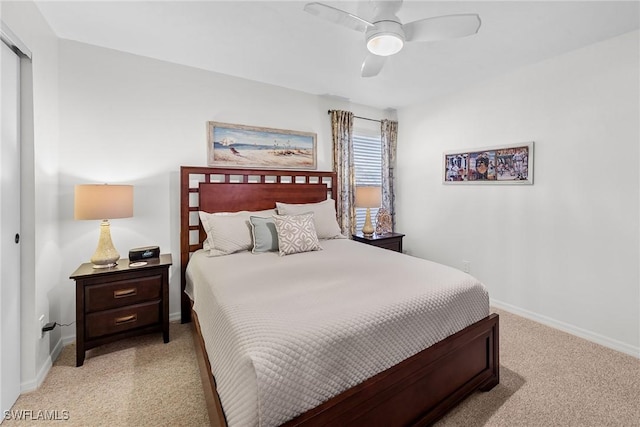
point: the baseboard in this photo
(175, 317)
(57, 349)
(68, 340)
(571, 329)
(44, 369)
(32, 385)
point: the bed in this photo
(417, 389)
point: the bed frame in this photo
(417, 391)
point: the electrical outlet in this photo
(41, 325)
(466, 266)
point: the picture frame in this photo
(500, 164)
(240, 146)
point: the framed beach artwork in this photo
(503, 164)
(239, 146)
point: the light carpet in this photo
(551, 378)
(547, 378)
(138, 381)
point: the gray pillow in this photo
(265, 235)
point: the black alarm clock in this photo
(144, 253)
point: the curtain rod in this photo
(363, 118)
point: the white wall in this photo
(565, 250)
(130, 119)
(39, 189)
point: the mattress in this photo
(285, 334)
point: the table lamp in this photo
(105, 202)
(368, 197)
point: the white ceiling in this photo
(278, 43)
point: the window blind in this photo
(367, 159)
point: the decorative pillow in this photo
(324, 216)
(265, 235)
(228, 232)
(296, 234)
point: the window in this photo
(367, 159)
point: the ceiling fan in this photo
(385, 35)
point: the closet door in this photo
(9, 229)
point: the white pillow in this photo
(296, 234)
(324, 216)
(228, 232)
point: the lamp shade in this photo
(102, 201)
(368, 197)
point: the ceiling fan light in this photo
(385, 38)
(385, 44)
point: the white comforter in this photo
(285, 334)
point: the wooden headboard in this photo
(233, 190)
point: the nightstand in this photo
(120, 302)
(392, 241)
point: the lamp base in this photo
(105, 255)
(105, 265)
(367, 228)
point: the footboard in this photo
(416, 392)
(421, 389)
(214, 407)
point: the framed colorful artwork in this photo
(240, 146)
(504, 164)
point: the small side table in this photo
(120, 302)
(391, 241)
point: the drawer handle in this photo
(126, 319)
(123, 293)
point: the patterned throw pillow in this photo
(296, 234)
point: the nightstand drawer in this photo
(122, 293)
(122, 319)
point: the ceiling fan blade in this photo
(372, 65)
(338, 16)
(442, 27)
